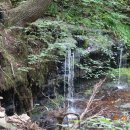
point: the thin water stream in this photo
(120, 65)
(121, 83)
(69, 77)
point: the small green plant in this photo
(114, 73)
(105, 123)
(98, 14)
(24, 69)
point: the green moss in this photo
(123, 32)
(8, 78)
(124, 72)
(98, 14)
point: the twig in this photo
(96, 115)
(6, 74)
(96, 87)
(12, 68)
(50, 99)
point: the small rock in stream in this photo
(125, 106)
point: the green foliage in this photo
(53, 9)
(99, 14)
(54, 104)
(24, 69)
(52, 53)
(124, 72)
(96, 63)
(106, 123)
(56, 38)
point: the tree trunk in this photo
(4, 6)
(27, 12)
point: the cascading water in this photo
(120, 65)
(69, 78)
(121, 84)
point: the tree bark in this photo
(5, 5)
(27, 12)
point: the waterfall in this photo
(69, 77)
(120, 65)
(122, 82)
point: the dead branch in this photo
(12, 69)
(96, 115)
(96, 88)
(51, 100)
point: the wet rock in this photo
(80, 40)
(125, 106)
(10, 110)
(48, 123)
(2, 112)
